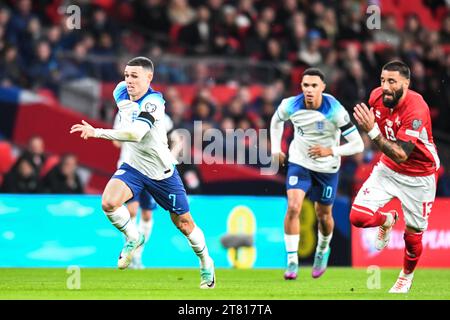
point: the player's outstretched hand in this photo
(364, 117)
(87, 131)
(319, 151)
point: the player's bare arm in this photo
(397, 151)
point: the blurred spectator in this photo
(444, 33)
(257, 40)
(20, 20)
(54, 34)
(412, 28)
(287, 9)
(351, 21)
(227, 37)
(202, 111)
(311, 55)
(11, 68)
(180, 12)
(100, 24)
(389, 33)
(22, 178)
(198, 35)
(152, 15)
(330, 69)
(35, 153)
(63, 178)
(105, 62)
(236, 110)
(352, 87)
(297, 33)
(329, 26)
(44, 70)
(76, 66)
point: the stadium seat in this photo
(51, 161)
(7, 158)
(296, 75)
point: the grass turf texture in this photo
(181, 284)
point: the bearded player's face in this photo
(393, 85)
(138, 80)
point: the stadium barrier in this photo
(436, 241)
(60, 230)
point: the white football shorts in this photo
(416, 194)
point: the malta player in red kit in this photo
(399, 124)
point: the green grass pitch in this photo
(182, 284)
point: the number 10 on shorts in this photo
(327, 192)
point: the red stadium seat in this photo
(7, 158)
(296, 76)
(49, 164)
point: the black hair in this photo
(399, 66)
(143, 62)
(314, 72)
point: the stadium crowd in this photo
(39, 50)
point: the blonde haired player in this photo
(149, 165)
(144, 200)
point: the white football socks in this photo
(122, 221)
(291, 242)
(323, 242)
(197, 241)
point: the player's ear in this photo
(407, 82)
(150, 76)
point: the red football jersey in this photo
(408, 121)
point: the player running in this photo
(399, 124)
(144, 200)
(149, 166)
(314, 160)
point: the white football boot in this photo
(384, 232)
(403, 283)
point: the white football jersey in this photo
(315, 127)
(151, 156)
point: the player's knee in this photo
(324, 218)
(108, 205)
(323, 214)
(294, 209)
(184, 225)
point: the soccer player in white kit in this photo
(149, 166)
(314, 160)
(144, 200)
(399, 123)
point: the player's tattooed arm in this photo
(397, 151)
